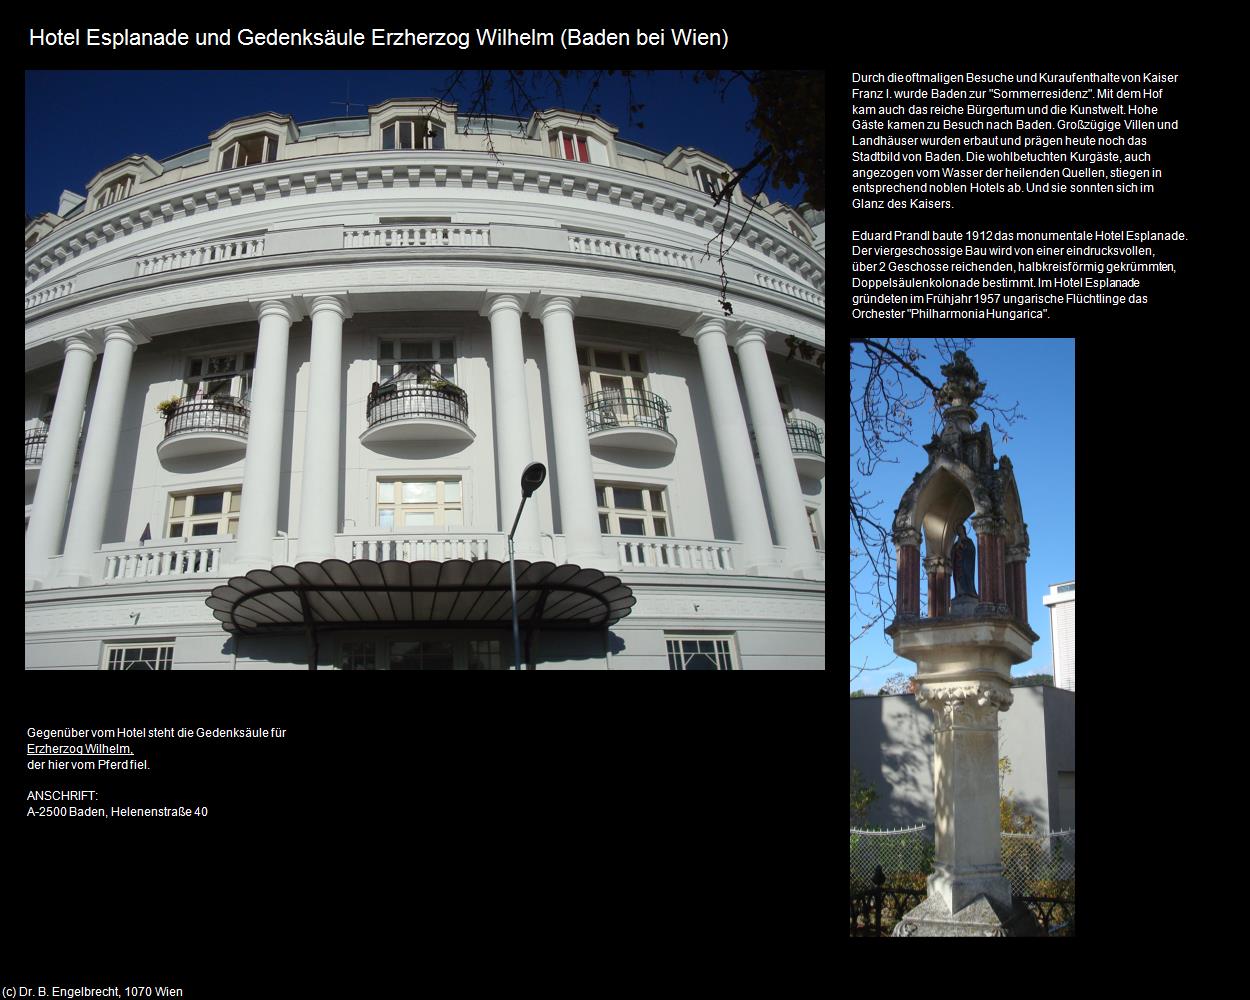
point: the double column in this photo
(781, 478)
(991, 574)
(733, 447)
(95, 475)
(939, 570)
(907, 591)
(1017, 583)
(514, 450)
(262, 467)
(47, 516)
(319, 490)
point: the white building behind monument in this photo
(1062, 603)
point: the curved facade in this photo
(344, 340)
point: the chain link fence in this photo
(905, 851)
(1041, 864)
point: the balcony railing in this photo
(416, 236)
(688, 554)
(163, 560)
(805, 437)
(36, 440)
(614, 408)
(224, 414)
(433, 399)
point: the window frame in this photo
(434, 134)
(813, 522)
(577, 141)
(439, 506)
(435, 362)
(609, 510)
(115, 191)
(729, 638)
(269, 150)
(705, 176)
(376, 650)
(187, 520)
(108, 648)
(240, 374)
(592, 371)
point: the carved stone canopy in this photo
(963, 385)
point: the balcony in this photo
(807, 443)
(417, 404)
(203, 425)
(629, 419)
(36, 439)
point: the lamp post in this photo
(532, 478)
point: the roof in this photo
(459, 593)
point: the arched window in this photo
(115, 192)
(412, 133)
(249, 149)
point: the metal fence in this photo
(888, 867)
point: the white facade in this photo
(1062, 603)
(367, 345)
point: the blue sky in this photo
(162, 113)
(1039, 373)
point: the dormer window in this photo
(249, 149)
(709, 182)
(412, 133)
(116, 191)
(571, 146)
(798, 231)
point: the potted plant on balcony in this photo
(167, 406)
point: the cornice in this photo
(219, 191)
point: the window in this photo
(124, 656)
(630, 509)
(700, 652)
(425, 654)
(225, 375)
(413, 356)
(356, 656)
(31, 240)
(116, 191)
(709, 181)
(620, 375)
(419, 503)
(259, 148)
(194, 514)
(798, 231)
(412, 133)
(783, 397)
(571, 146)
(484, 654)
(813, 522)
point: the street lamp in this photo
(532, 478)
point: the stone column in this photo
(579, 509)
(262, 466)
(319, 492)
(991, 574)
(513, 448)
(964, 677)
(1017, 586)
(781, 479)
(939, 570)
(733, 448)
(47, 515)
(99, 455)
(907, 592)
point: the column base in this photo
(980, 918)
(70, 580)
(766, 569)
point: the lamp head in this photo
(533, 477)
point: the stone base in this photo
(980, 918)
(964, 606)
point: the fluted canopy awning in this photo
(455, 594)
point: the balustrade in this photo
(48, 294)
(648, 253)
(416, 236)
(680, 554)
(201, 253)
(178, 560)
(413, 548)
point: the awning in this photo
(460, 594)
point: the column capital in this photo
(288, 306)
(120, 331)
(934, 563)
(84, 340)
(1018, 553)
(506, 299)
(703, 324)
(988, 524)
(335, 301)
(543, 304)
(748, 334)
(907, 536)
(964, 704)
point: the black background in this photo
(661, 831)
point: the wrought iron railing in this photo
(618, 408)
(439, 400)
(226, 414)
(805, 437)
(35, 443)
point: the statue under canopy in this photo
(964, 565)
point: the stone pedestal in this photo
(964, 677)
